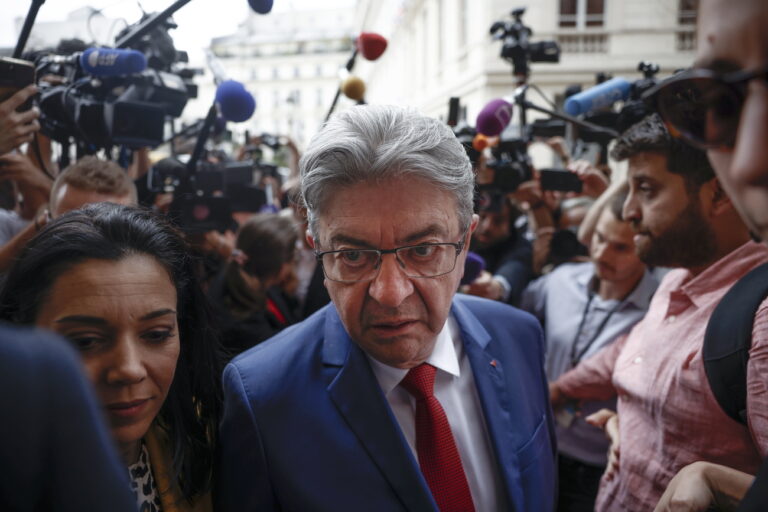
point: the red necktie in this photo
(438, 456)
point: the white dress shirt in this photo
(456, 391)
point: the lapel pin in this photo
(493, 363)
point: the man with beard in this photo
(584, 307)
(732, 51)
(668, 416)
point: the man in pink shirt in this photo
(727, 115)
(668, 417)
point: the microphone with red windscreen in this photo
(371, 45)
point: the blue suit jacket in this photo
(306, 426)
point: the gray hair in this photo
(375, 143)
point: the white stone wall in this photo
(290, 62)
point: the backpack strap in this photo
(728, 339)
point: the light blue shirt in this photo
(563, 301)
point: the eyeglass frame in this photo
(735, 80)
(459, 246)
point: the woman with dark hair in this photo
(117, 282)
(249, 295)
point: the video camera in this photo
(105, 97)
(516, 46)
(204, 200)
(511, 164)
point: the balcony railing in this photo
(583, 43)
(685, 40)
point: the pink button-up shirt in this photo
(668, 416)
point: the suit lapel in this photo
(497, 403)
(359, 399)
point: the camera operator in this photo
(506, 252)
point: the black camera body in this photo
(204, 200)
(511, 165)
(516, 45)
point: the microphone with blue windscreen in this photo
(112, 61)
(235, 103)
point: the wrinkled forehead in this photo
(407, 210)
(732, 34)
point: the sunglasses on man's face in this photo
(704, 106)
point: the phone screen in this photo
(558, 179)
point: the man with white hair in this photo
(400, 395)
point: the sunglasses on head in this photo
(704, 106)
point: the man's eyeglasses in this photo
(420, 261)
(704, 106)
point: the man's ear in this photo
(720, 201)
(473, 226)
(310, 239)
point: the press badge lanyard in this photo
(575, 358)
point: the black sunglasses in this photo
(704, 106)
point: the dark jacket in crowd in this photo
(511, 259)
(239, 333)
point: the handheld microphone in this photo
(473, 267)
(353, 88)
(235, 103)
(112, 61)
(261, 6)
(371, 45)
(597, 97)
(494, 117)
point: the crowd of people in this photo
(331, 352)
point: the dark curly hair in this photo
(650, 135)
(105, 231)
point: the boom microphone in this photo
(597, 97)
(261, 6)
(235, 103)
(112, 61)
(353, 88)
(494, 117)
(371, 45)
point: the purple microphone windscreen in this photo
(473, 267)
(112, 61)
(235, 103)
(597, 97)
(494, 117)
(261, 6)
